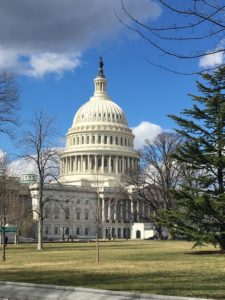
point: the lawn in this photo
(156, 267)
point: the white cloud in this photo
(42, 64)
(50, 37)
(145, 130)
(22, 166)
(213, 60)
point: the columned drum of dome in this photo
(99, 145)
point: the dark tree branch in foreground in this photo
(197, 23)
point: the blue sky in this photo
(55, 56)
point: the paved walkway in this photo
(27, 291)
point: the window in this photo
(121, 141)
(47, 213)
(111, 140)
(78, 140)
(56, 213)
(93, 139)
(67, 213)
(46, 230)
(99, 139)
(86, 215)
(105, 139)
(78, 215)
(82, 140)
(56, 230)
(88, 139)
(67, 230)
(116, 140)
(78, 230)
(86, 231)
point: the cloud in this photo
(145, 130)
(50, 37)
(40, 65)
(22, 166)
(213, 60)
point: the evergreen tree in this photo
(200, 213)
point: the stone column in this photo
(131, 210)
(109, 164)
(115, 210)
(109, 210)
(117, 164)
(103, 209)
(123, 165)
(81, 163)
(138, 210)
(75, 167)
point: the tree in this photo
(9, 102)
(196, 22)
(201, 203)
(7, 201)
(158, 175)
(38, 147)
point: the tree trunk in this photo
(3, 246)
(97, 247)
(40, 234)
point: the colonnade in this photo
(97, 163)
(123, 210)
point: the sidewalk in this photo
(28, 291)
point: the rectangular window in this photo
(86, 230)
(78, 230)
(105, 139)
(88, 139)
(46, 230)
(78, 215)
(116, 140)
(56, 230)
(67, 231)
(86, 215)
(111, 140)
(99, 139)
(93, 139)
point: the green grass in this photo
(156, 267)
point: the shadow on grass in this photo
(206, 252)
(167, 283)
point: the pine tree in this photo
(200, 213)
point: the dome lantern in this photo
(100, 81)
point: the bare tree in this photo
(38, 147)
(7, 200)
(9, 102)
(158, 175)
(195, 23)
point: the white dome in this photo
(100, 109)
(99, 141)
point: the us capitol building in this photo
(98, 151)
